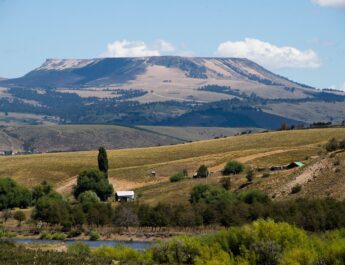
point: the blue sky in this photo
(301, 39)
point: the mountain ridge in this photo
(167, 90)
(135, 71)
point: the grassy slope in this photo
(132, 166)
(197, 133)
(79, 137)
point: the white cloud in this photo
(269, 55)
(164, 46)
(343, 88)
(330, 3)
(125, 48)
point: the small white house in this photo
(124, 196)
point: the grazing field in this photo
(130, 168)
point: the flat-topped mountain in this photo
(167, 90)
(166, 77)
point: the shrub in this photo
(45, 235)
(94, 235)
(202, 172)
(75, 233)
(177, 177)
(124, 254)
(181, 250)
(58, 236)
(13, 195)
(52, 208)
(78, 248)
(6, 234)
(266, 175)
(19, 216)
(6, 214)
(254, 196)
(295, 189)
(93, 180)
(185, 172)
(250, 175)
(342, 144)
(41, 190)
(87, 199)
(211, 194)
(332, 145)
(233, 167)
(226, 183)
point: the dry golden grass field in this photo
(130, 168)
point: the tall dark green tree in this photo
(103, 160)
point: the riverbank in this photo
(108, 233)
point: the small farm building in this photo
(295, 164)
(124, 196)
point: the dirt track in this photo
(245, 159)
(308, 174)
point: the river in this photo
(93, 244)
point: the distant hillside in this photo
(42, 138)
(199, 133)
(167, 90)
(231, 118)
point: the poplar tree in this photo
(103, 160)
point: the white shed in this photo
(124, 196)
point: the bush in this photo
(185, 172)
(253, 196)
(78, 248)
(295, 189)
(226, 183)
(6, 234)
(58, 236)
(93, 180)
(75, 233)
(125, 255)
(211, 194)
(250, 175)
(181, 250)
(41, 190)
(87, 199)
(202, 172)
(53, 209)
(19, 216)
(45, 236)
(13, 195)
(94, 235)
(266, 175)
(233, 167)
(177, 177)
(332, 145)
(342, 144)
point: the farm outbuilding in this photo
(283, 167)
(124, 196)
(295, 164)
